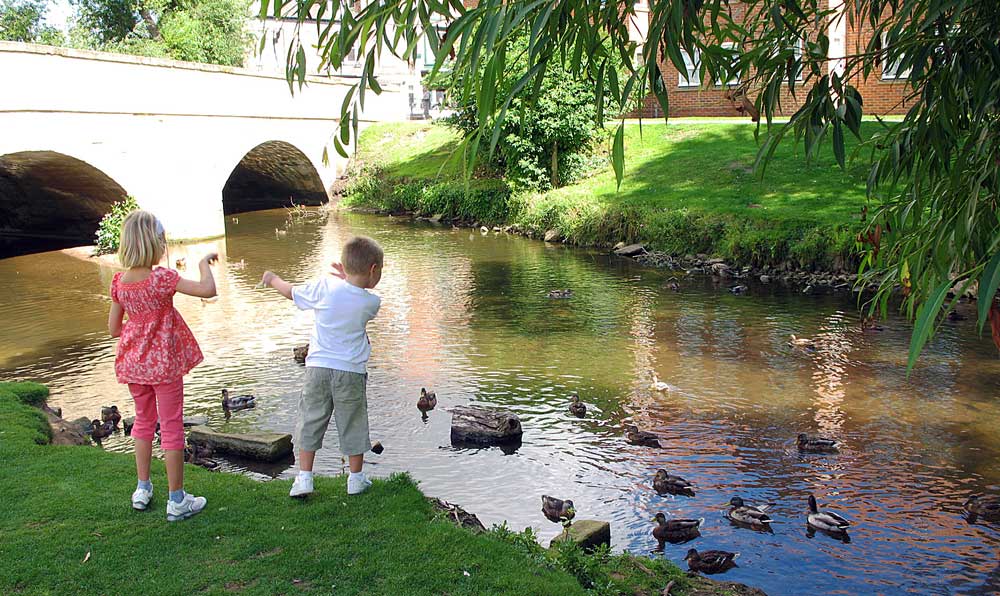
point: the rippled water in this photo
(466, 314)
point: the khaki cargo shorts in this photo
(339, 393)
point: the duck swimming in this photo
(675, 531)
(826, 520)
(560, 294)
(983, 506)
(112, 415)
(748, 515)
(558, 510)
(802, 342)
(817, 444)
(659, 385)
(181, 263)
(236, 403)
(427, 401)
(640, 437)
(577, 407)
(665, 483)
(711, 561)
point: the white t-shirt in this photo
(338, 340)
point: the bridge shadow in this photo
(271, 175)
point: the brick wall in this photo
(881, 96)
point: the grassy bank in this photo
(689, 188)
(68, 527)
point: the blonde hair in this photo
(359, 254)
(142, 242)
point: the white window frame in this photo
(890, 71)
(798, 51)
(691, 78)
(728, 45)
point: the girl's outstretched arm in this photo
(271, 280)
(204, 287)
(115, 319)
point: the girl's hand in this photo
(338, 270)
(211, 258)
(265, 280)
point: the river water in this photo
(466, 314)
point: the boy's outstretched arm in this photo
(271, 280)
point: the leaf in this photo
(988, 284)
(618, 154)
(924, 326)
(838, 143)
(86, 557)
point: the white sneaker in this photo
(141, 498)
(302, 486)
(191, 505)
(357, 484)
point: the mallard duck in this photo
(711, 561)
(111, 414)
(870, 324)
(640, 437)
(748, 515)
(200, 455)
(236, 403)
(675, 531)
(954, 315)
(826, 520)
(802, 342)
(100, 430)
(558, 294)
(577, 407)
(181, 263)
(427, 401)
(986, 507)
(558, 510)
(665, 483)
(658, 385)
(817, 444)
(300, 353)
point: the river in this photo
(466, 314)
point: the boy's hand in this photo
(211, 258)
(266, 279)
(338, 270)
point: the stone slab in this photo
(631, 250)
(259, 446)
(588, 533)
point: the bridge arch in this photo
(51, 200)
(273, 174)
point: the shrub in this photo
(110, 228)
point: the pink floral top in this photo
(156, 345)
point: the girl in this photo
(155, 351)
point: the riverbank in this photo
(68, 528)
(689, 189)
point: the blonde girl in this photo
(155, 350)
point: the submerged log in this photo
(260, 446)
(484, 426)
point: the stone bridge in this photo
(80, 130)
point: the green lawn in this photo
(68, 528)
(689, 187)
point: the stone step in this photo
(260, 446)
(588, 533)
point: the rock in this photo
(436, 218)
(460, 517)
(484, 426)
(765, 279)
(715, 261)
(588, 533)
(618, 246)
(631, 250)
(64, 432)
(196, 420)
(300, 353)
(552, 236)
(82, 423)
(260, 446)
(807, 290)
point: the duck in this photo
(577, 407)
(711, 561)
(558, 511)
(869, 324)
(237, 403)
(826, 520)
(755, 517)
(280, 233)
(112, 415)
(235, 220)
(99, 430)
(802, 342)
(954, 315)
(672, 285)
(181, 263)
(300, 353)
(241, 264)
(640, 437)
(986, 507)
(200, 455)
(817, 444)
(558, 294)
(740, 289)
(427, 401)
(665, 483)
(658, 385)
(675, 531)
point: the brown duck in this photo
(558, 511)
(100, 430)
(817, 444)
(711, 561)
(236, 403)
(640, 437)
(665, 483)
(577, 407)
(427, 401)
(983, 506)
(675, 531)
(112, 415)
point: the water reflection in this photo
(467, 315)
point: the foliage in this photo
(934, 176)
(109, 230)
(209, 31)
(21, 20)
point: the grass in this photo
(688, 188)
(68, 528)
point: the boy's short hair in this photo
(142, 241)
(359, 254)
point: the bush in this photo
(110, 229)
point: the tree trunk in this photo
(147, 17)
(555, 164)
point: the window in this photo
(735, 80)
(798, 50)
(692, 66)
(891, 70)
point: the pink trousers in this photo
(164, 402)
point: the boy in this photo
(338, 352)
